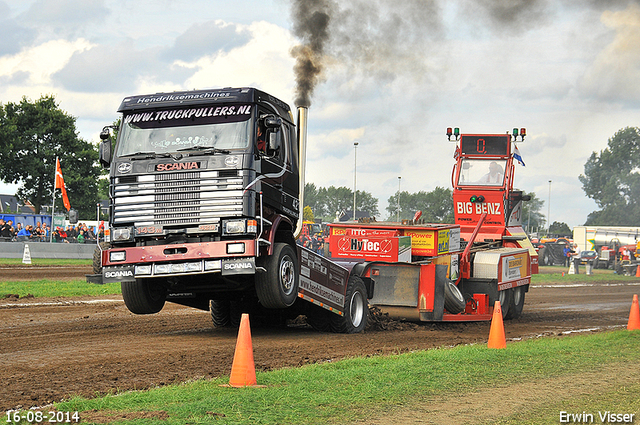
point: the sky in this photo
(394, 76)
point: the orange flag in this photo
(60, 185)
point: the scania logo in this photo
(124, 168)
(175, 166)
(119, 273)
(231, 161)
(231, 266)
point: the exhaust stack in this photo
(303, 112)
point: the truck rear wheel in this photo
(453, 299)
(278, 287)
(144, 296)
(517, 302)
(356, 309)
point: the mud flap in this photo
(118, 274)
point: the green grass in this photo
(47, 262)
(354, 389)
(553, 274)
(57, 288)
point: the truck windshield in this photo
(159, 132)
(482, 172)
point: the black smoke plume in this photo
(311, 26)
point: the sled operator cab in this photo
(482, 181)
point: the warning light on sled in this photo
(453, 132)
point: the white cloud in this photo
(614, 74)
(42, 61)
(262, 62)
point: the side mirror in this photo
(271, 121)
(105, 133)
(274, 140)
(105, 153)
(104, 150)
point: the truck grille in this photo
(177, 198)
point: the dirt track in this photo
(52, 349)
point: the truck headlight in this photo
(235, 248)
(143, 270)
(117, 256)
(234, 227)
(122, 234)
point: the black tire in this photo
(144, 296)
(505, 297)
(517, 302)
(318, 318)
(278, 286)
(543, 258)
(220, 313)
(97, 257)
(356, 309)
(453, 299)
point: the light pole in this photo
(355, 164)
(398, 207)
(549, 211)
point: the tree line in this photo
(33, 133)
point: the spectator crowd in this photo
(80, 233)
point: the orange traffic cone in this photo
(243, 369)
(638, 271)
(634, 315)
(496, 332)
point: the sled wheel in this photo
(453, 299)
(144, 296)
(278, 287)
(356, 309)
(517, 302)
(505, 297)
(220, 313)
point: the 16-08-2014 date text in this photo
(37, 416)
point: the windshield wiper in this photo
(139, 155)
(204, 151)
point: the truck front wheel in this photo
(278, 286)
(356, 309)
(144, 296)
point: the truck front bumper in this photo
(225, 257)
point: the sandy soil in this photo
(54, 348)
